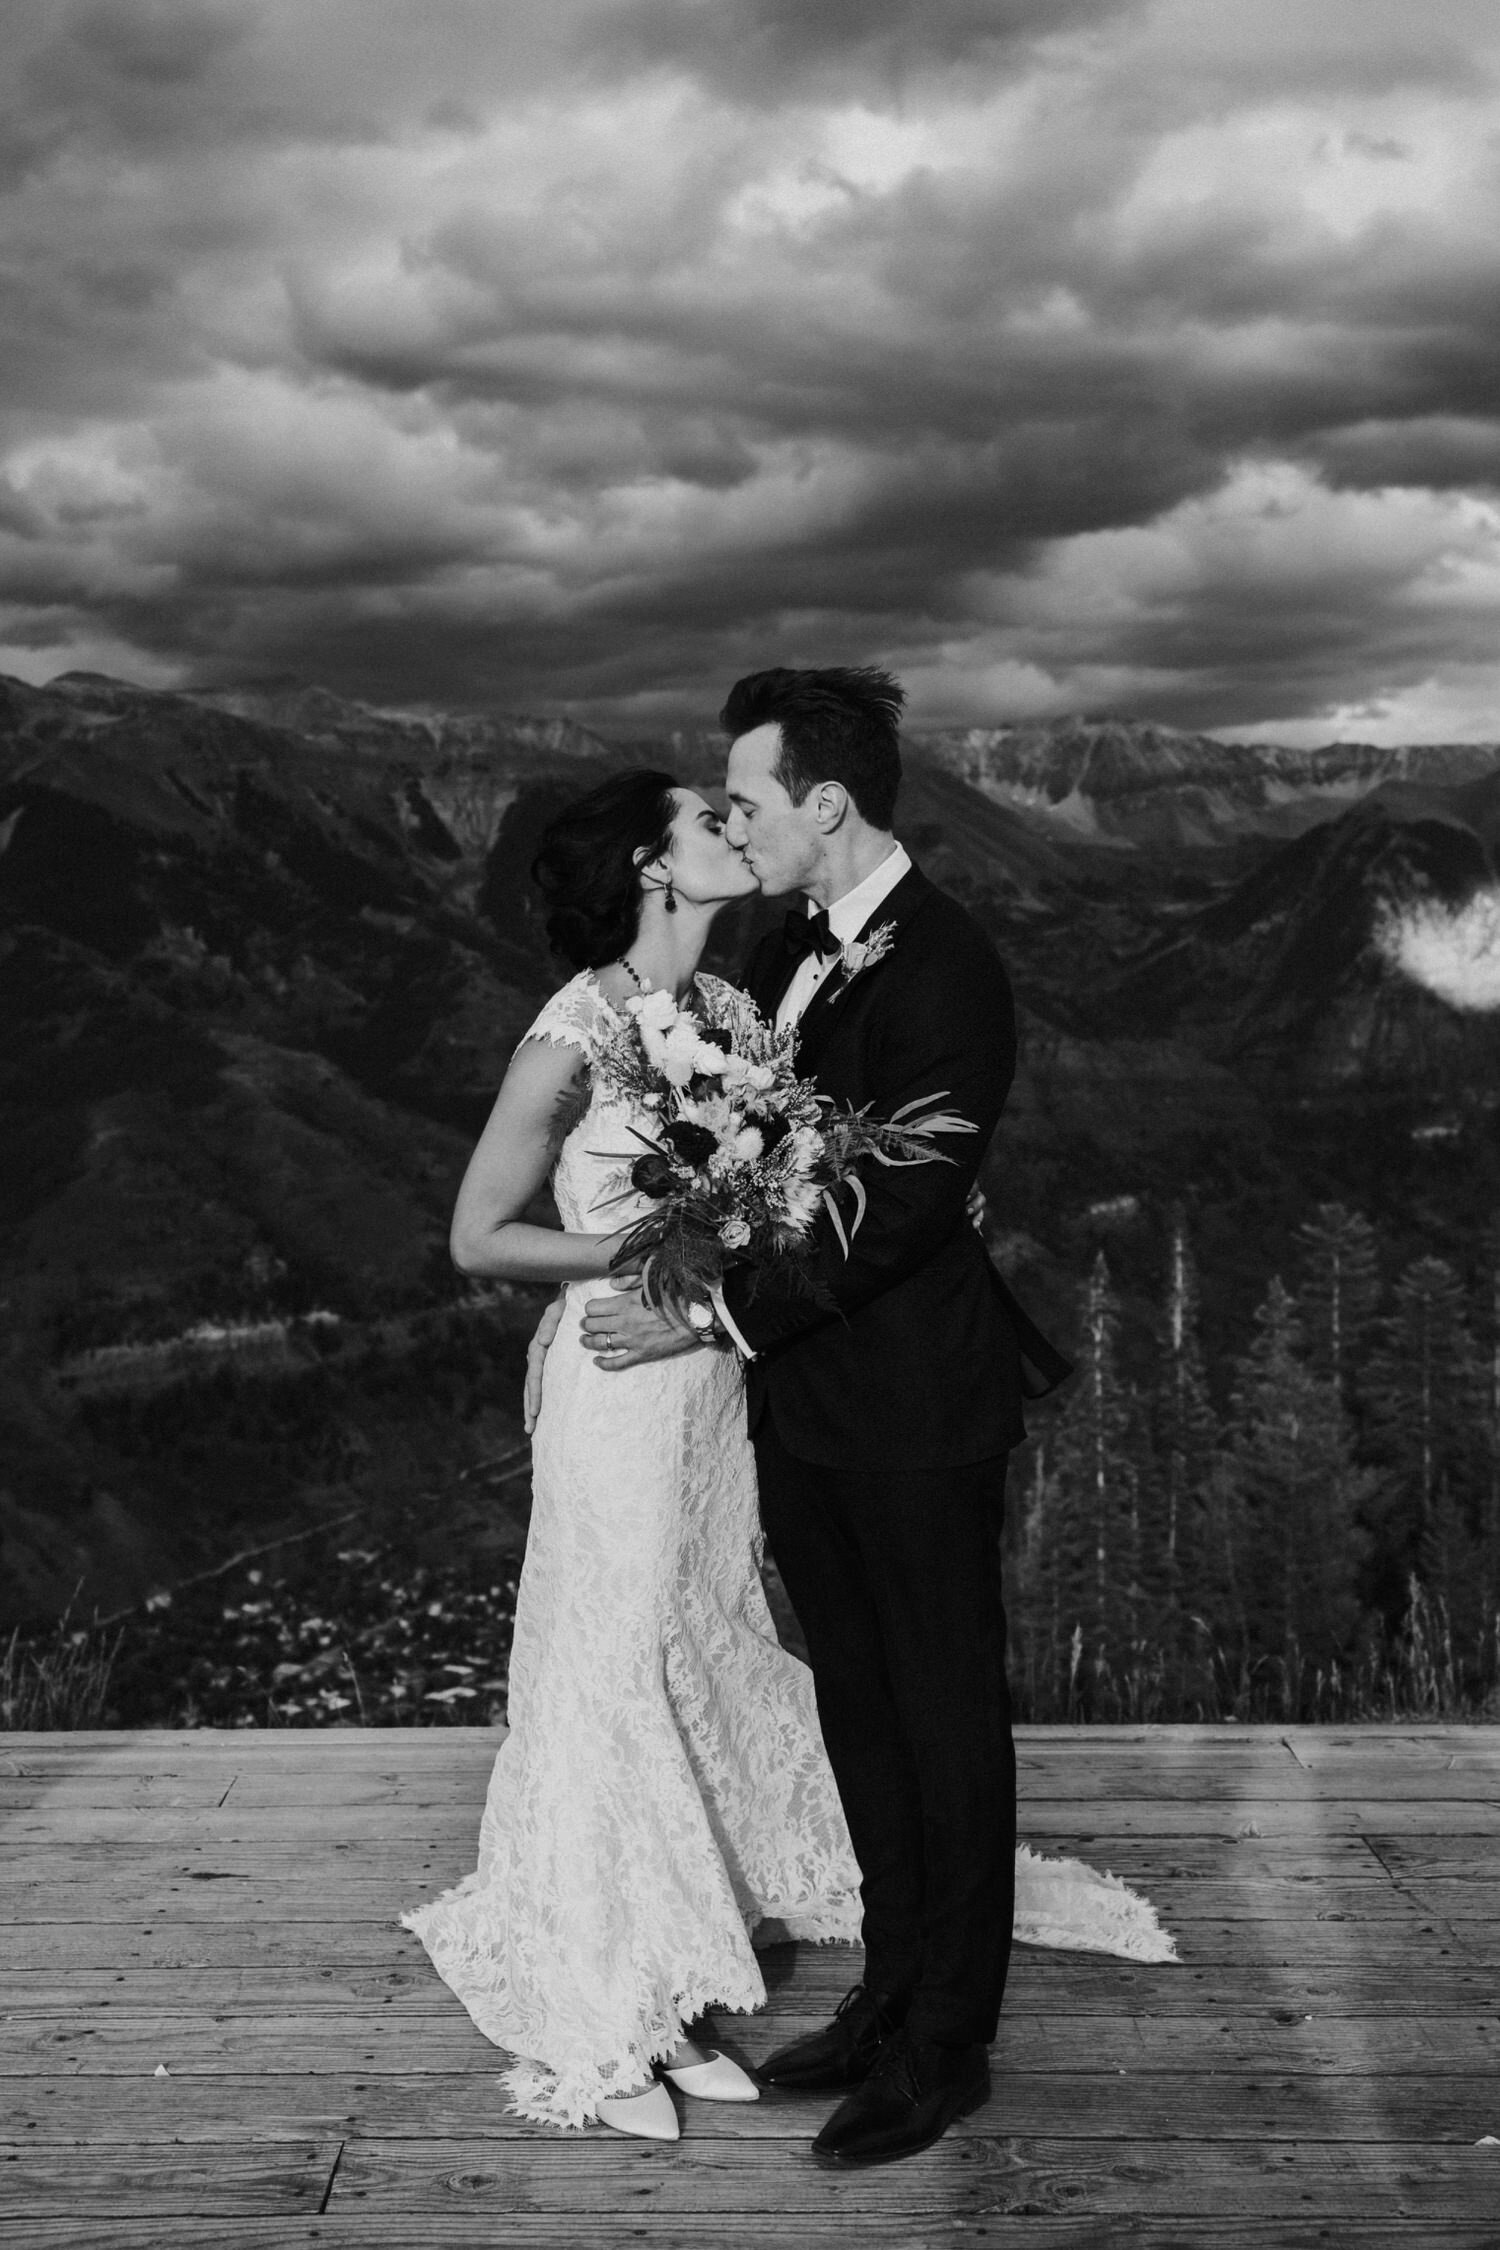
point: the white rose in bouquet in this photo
(656, 1011)
(679, 1054)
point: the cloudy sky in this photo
(576, 355)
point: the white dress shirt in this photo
(847, 916)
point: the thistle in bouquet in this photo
(742, 1155)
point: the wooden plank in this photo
(211, 1785)
(234, 1823)
(1455, 1902)
(226, 1890)
(234, 1943)
(460, 2230)
(199, 1790)
(75, 2041)
(156, 1943)
(1308, 1856)
(1103, 1784)
(161, 2179)
(1456, 1859)
(1071, 1825)
(403, 1752)
(81, 1741)
(455, 1787)
(1141, 2106)
(1138, 1859)
(80, 1866)
(335, 1781)
(979, 2177)
(1318, 1747)
(1227, 1738)
(1331, 1943)
(276, 1743)
(1057, 1983)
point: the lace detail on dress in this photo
(576, 1016)
(1064, 1902)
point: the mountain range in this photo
(1133, 784)
(264, 954)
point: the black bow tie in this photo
(809, 933)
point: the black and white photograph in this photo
(750, 1124)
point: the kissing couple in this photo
(672, 1778)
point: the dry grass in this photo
(57, 1681)
(1418, 1673)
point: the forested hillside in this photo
(263, 958)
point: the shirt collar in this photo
(848, 915)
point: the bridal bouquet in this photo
(744, 1154)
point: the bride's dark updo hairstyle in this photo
(588, 865)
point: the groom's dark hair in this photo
(839, 723)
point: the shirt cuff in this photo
(716, 1299)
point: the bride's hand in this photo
(536, 1358)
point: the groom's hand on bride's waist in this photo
(536, 1360)
(621, 1330)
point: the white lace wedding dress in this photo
(663, 1786)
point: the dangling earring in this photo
(670, 901)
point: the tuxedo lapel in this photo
(820, 1016)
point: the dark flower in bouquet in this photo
(744, 1155)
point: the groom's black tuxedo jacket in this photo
(906, 1353)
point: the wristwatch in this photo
(702, 1318)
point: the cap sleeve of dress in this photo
(577, 1016)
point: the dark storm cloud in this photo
(1067, 354)
(771, 50)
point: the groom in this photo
(883, 1405)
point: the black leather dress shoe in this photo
(908, 2101)
(843, 2052)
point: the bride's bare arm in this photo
(489, 1238)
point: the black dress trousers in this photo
(895, 1578)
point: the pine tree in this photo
(1290, 1475)
(1186, 1567)
(1036, 1622)
(1340, 1291)
(1096, 1528)
(1487, 1481)
(1427, 1397)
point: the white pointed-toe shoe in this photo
(648, 2114)
(716, 2079)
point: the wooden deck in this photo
(1321, 2067)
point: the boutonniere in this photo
(863, 953)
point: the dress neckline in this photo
(591, 976)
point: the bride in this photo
(663, 1786)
